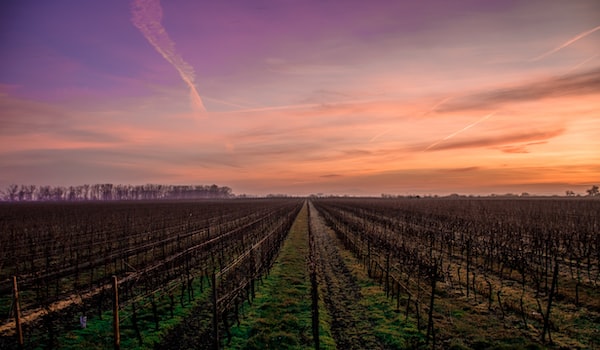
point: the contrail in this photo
(303, 106)
(432, 109)
(275, 108)
(459, 131)
(379, 135)
(147, 16)
(580, 64)
(567, 43)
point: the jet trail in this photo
(580, 64)
(275, 108)
(147, 17)
(432, 109)
(303, 106)
(459, 131)
(567, 43)
(378, 135)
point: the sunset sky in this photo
(339, 97)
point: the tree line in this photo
(109, 192)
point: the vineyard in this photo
(349, 273)
(163, 255)
(482, 269)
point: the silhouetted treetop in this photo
(108, 192)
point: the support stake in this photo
(216, 344)
(18, 327)
(116, 313)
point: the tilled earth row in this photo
(350, 325)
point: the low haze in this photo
(301, 97)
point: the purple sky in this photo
(301, 97)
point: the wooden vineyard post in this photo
(116, 314)
(315, 307)
(369, 258)
(397, 296)
(430, 330)
(19, 329)
(387, 275)
(215, 313)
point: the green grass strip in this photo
(280, 315)
(387, 325)
(99, 333)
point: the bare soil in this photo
(350, 325)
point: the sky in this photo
(299, 97)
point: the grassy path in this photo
(280, 315)
(360, 314)
(349, 324)
(354, 312)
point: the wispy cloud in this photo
(282, 107)
(329, 105)
(465, 169)
(583, 83)
(534, 137)
(520, 148)
(282, 66)
(147, 17)
(565, 44)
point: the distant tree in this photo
(225, 192)
(22, 193)
(213, 191)
(107, 192)
(57, 193)
(32, 192)
(72, 193)
(569, 193)
(45, 193)
(592, 192)
(85, 192)
(11, 192)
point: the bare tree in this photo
(592, 192)
(11, 192)
(108, 192)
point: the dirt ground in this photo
(350, 325)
